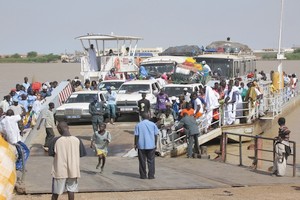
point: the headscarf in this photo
(284, 133)
(143, 71)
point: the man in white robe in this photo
(92, 59)
(279, 167)
(230, 106)
(211, 104)
(282, 148)
(239, 101)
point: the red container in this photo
(36, 86)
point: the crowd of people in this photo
(233, 101)
(21, 107)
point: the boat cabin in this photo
(106, 52)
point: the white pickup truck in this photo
(130, 93)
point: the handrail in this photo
(258, 147)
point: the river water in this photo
(13, 73)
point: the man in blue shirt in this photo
(111, 98)
(26, 84)
(145, 141)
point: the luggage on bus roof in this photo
(185, 50)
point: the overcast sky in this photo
(51, 26)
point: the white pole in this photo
(280, 56)
(280, 27)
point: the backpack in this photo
(288, 151)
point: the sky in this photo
(51, 26)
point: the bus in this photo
(229, 65)
(171, 66)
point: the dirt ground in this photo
(287, 192)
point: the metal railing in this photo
(258, 141)
(176, 139)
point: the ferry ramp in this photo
(121, 174)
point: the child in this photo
(166, 122)
(100, 141)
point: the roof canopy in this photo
(106, 37)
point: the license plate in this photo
(126, 109)
(73, 116)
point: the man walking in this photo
(145, 141)
(48, 116)
(96, 109)
(66, 150)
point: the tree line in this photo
(31, 57)
(273, 55)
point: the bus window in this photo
(236, 69)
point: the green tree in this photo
(32, 54)
(16, 55)
(297, 50)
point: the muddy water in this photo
(13, 73)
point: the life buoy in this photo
(117, 64)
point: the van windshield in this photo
(157, 69)
(114, 85)
(176, 91)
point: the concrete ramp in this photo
(122, 174)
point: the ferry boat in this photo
(122, 59)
